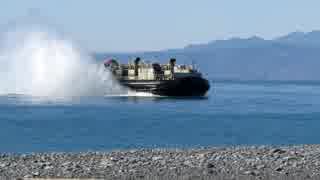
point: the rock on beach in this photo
(240, 162)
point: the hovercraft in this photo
(159, 79)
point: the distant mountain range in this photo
(295, 56)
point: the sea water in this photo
(233, 113)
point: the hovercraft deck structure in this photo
(160, 79)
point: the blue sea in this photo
(233, 113)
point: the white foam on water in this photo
(133, 94)
(38, 62)
(142, 94)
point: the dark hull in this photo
(187, 86)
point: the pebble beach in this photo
(239, 162)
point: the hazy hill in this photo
(295, 56)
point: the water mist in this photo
(37, 62)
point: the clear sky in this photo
(136, 25)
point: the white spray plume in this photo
(37, 62)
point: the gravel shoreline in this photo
(239, 162)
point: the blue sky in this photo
(127, 25)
